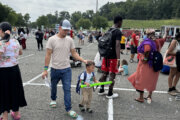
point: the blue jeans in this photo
(65, 76)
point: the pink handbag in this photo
(169, 60)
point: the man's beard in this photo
(64, 35)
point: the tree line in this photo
(84, 20)
(16, 19)
(142, 9)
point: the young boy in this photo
(87, 92)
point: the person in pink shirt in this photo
(146, 80)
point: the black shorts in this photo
(123, 46)
(133, 49)
(128, 48)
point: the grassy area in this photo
(156, 24)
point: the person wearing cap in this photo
(145, 77)
(58, 49)
(11, 87)
(134, 45)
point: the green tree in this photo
(33, 25)
(42, 20)
(51, 19)
(84, 23)
(99, 22)
(56, 14)
(89, 14)
(107, 9)
(64, 15)
(20, 20)
(26, 18)
(75, 17)
(3, 12)
(12, 18)
(178, 12)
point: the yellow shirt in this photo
(123, 40)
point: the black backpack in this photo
(157, 60)
(178, 60)
(105, 43)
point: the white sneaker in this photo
(115, 95)
(103, 93)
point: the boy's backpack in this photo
(78, 86)
(157, 61)
(78, 35)
(105, 43)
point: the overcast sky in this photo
(42, 7)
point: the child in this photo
(124, 67)
(83, 39)
(128, 46)
(87, 92)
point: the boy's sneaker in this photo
(81, 107)
(102, 92)
(89, 110)
(114, 95)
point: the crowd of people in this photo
(58, 48)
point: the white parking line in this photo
(73, 86)
(90, 45)
(25, 56)
(110, 109)
(35, 78)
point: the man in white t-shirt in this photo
(58, 50)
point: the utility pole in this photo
(96, 12)
(96, 6)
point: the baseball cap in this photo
(66, 25)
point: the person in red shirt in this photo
(134, 45)
(71, 33)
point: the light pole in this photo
(96, 6)
(96, 13)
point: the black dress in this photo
(11, 89)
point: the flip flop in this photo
(72, 114)
(139, 100)
(52, 104)
(15, 117)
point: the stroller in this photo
(73, 61)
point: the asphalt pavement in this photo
(163, 107)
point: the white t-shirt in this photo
(61, 48)
(89, 78)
